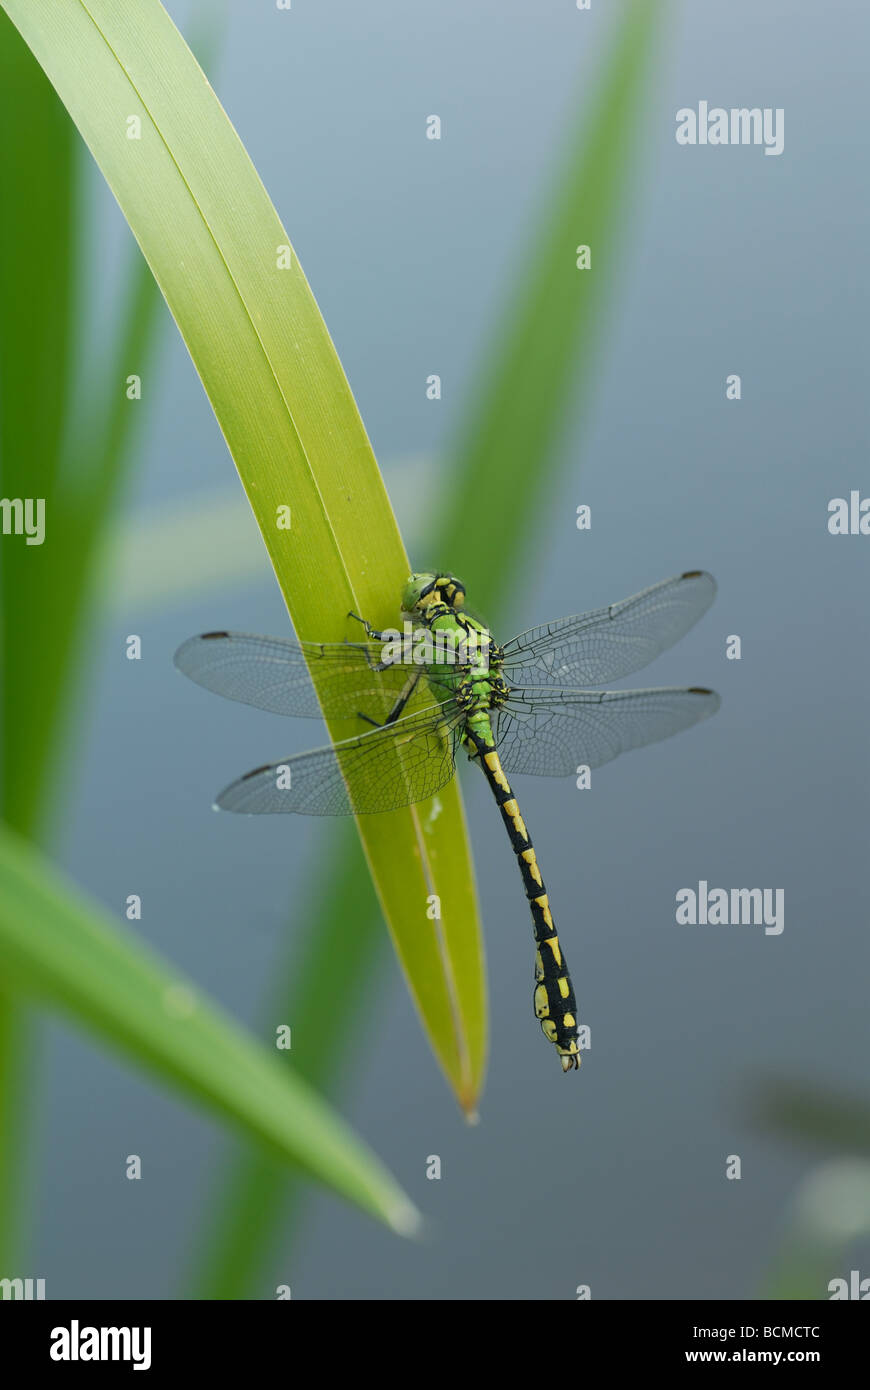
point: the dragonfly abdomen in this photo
(554, 1001)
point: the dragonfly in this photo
(443, 686)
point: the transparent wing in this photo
(390, 767)
(609, 643)
(272, 673)
(550, 733)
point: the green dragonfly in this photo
(443, 684)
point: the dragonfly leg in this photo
(360, 647)
(369, 630)
(400, 704)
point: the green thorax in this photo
(475, 677)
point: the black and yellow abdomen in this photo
(555, 1004)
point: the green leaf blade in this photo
(61, 950)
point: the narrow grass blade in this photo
(37, 246)
(37, 249)
(61, 949)
(44, 588)
(44, 593)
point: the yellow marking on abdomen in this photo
(563, 986)
(493, 762)
(544, 904)
(529, 856)
(553, 943)
(512, 809)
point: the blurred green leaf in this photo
(44, 589)
(810, 1114)
(832, 1205)
(168, 553)
(65, 952)
(828, 1213)
(37, 243)
(37, 249)
(208, 542)
(36, 246)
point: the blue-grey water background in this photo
(732, 262)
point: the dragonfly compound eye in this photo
(417, 587)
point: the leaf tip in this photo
(405, 1220)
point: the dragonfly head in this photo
(421, 591)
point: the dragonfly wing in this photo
(609, 643)
(272, 673)
(551, 733)
(394, 766)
